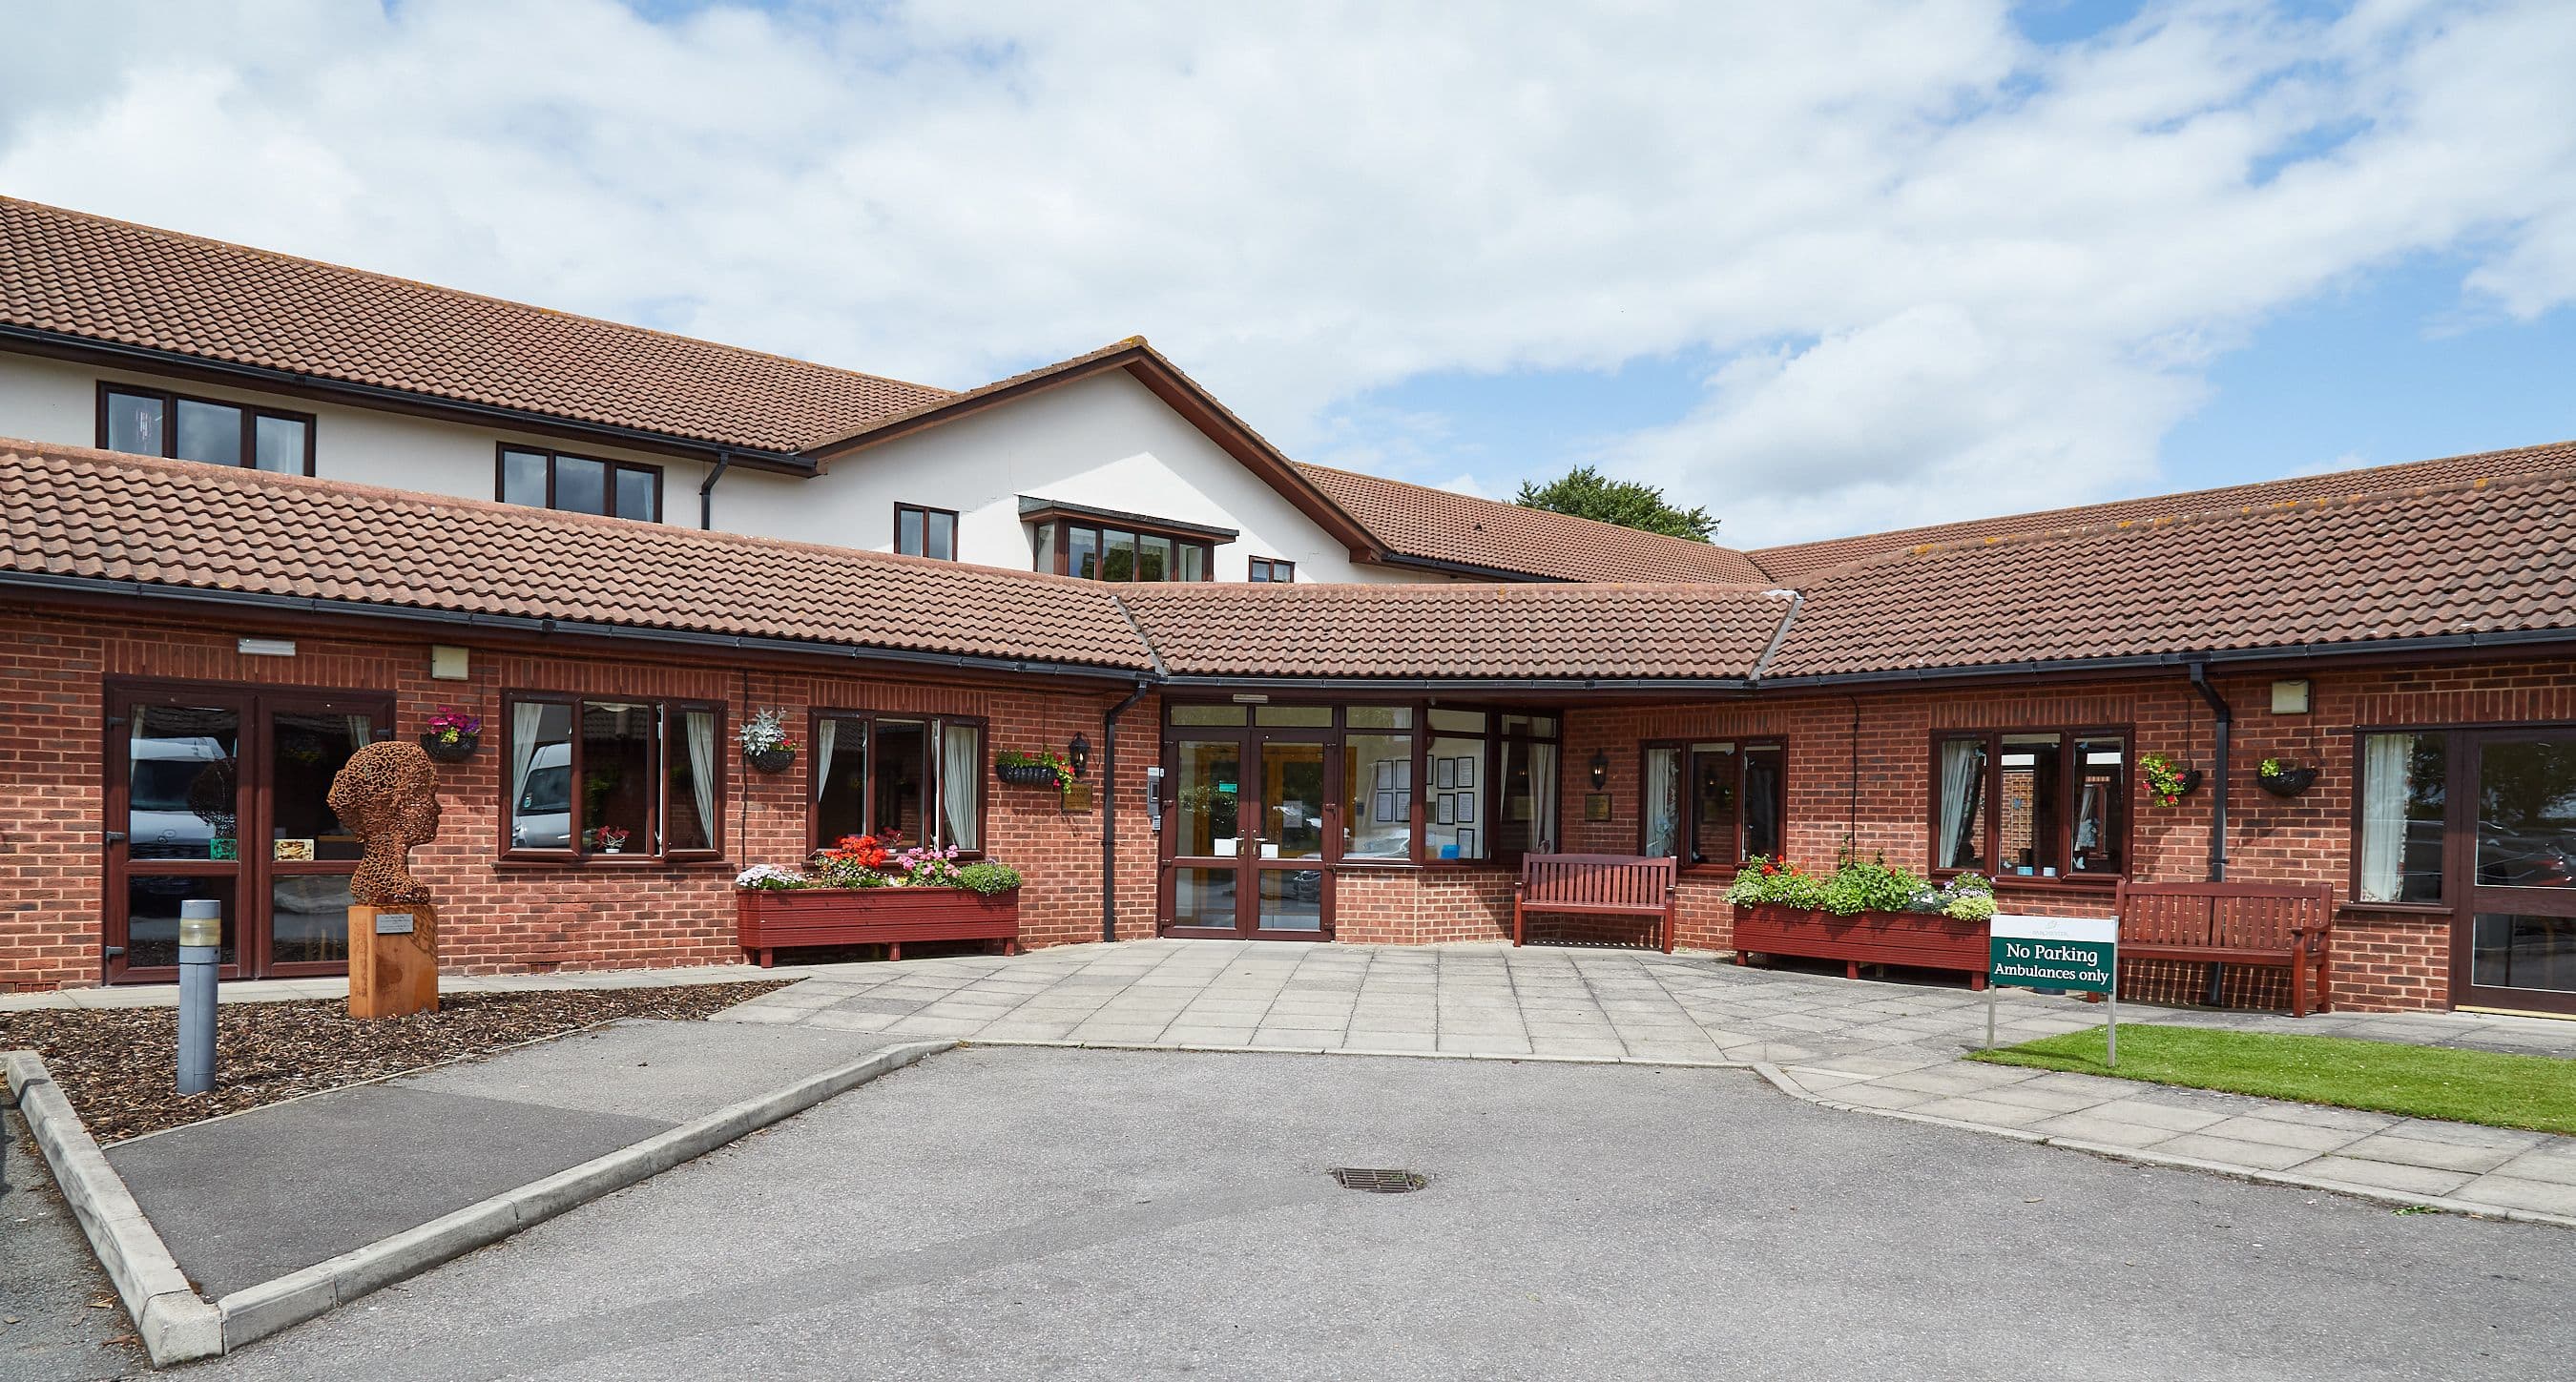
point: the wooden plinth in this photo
(392, 975)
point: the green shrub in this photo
(1871, 887)
(988, 878)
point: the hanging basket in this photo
(1025, 774)
(446, 751)
(769, 760)
(2289, 782)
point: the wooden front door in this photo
(216, 793)
(2513, 837)
(1249, 817)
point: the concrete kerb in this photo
(178, 1325)
(257, 1311)
(174, 1322)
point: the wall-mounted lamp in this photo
(1079, 751)
(1600, 769)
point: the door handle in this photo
(111, 839)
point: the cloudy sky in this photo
(1823, 267)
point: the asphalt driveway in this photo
(1069, 1213)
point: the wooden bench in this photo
(2268, 926)
(1622, 885)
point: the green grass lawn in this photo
(2536, 1092)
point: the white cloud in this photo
(2000, 271)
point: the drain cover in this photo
(1380, 1180)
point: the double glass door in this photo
(217, 794)
(2515, 943)
(1248, 815)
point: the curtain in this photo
(826, 730)
(527, 719)
(2387, 761)
(700, 725)
(961, 765)
(1543, 798)
(362, 731)
(1663, 800)
(1962, 764)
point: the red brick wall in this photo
(1859, 773)
(498, 916)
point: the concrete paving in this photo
(1870, 1045)
(246, 1198)
(1114, 1214)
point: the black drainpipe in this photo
(707, 491)
(2222, 716)
(1109, 811)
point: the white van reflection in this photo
(542, 816)
(163, 780)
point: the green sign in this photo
(2072, 953)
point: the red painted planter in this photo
(1875, 938)
(767, 920)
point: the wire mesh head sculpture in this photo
(387, 794)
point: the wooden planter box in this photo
(1874, 938)
(768, 920)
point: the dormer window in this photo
(1100, 545)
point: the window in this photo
(2035, 804)
(1264, 569)
(921, 532)
(146, 422)
(2404, 794)
(1713, 802)
(597, 779)
(906, 779)
(579, 484)
(1107, 552)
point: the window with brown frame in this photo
(578, 484)
(925, 532)
(154, 422)
(908, 780)
(1713, 802)
(2040, 804)
(596, 778)
(1270, 569)
(1109, 552)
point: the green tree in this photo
(1585, 494)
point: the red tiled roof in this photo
(1458, 631)
(1793, 562)
(1436, 525)
(2469, 557)
(76, 512)
(110, 281)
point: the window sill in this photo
(2426, 911)
(2088, 883)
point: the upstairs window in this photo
(1268, 569)
(925, 532)
(146, 422)
(2033, 804)
(579, 484)
(1106, 552)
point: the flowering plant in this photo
(764, 731)
(608, 837)
(864, 861)
(1858, 886)
(2164, 778)
(1052, 762)
(451, 725)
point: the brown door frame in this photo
(251, 869)
(1248, 890)
(1250, 831)
(2471, 898)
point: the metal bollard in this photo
(201, 939)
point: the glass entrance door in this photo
(2514, 942)
(1248, 815)
(217, 794)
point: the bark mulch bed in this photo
(120, 1066)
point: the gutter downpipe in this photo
(1109, 810)
(707, 491)
(2222, 717)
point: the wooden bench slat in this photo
(1596, 885)
(2263, 925)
